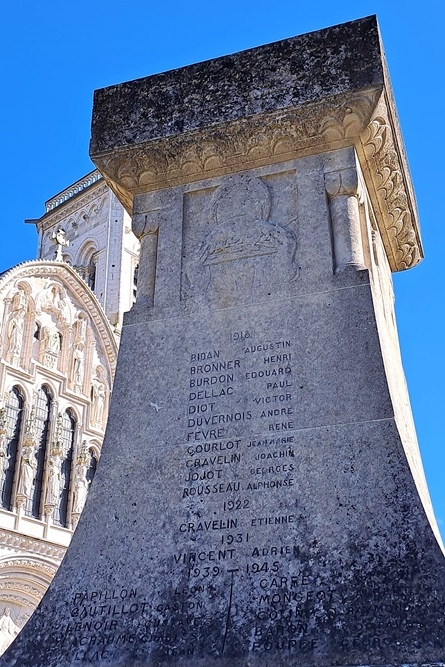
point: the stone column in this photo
(146, 229)
(342, 188)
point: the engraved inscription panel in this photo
(237, 542)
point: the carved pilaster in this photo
(342, 188)
(146, 228)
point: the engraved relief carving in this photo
(8, 630)
(19, 586)
(52, 299)
(51, 345)
(53, 316)
(401, 240)
(17, 563)
(16, 541)
(244, 251)
(75, 284)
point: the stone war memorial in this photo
(260, 449)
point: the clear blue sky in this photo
(54, 54)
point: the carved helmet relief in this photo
(245, 252)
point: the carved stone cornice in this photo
(72, 206)
(389, 186)
(362, 120)
(73, 190)
(37, 547)
(237, 146)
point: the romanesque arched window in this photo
(9, 447)
(86, 266)
(42, 419)
(68, 433)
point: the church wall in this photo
(101, 245)
(55, 335)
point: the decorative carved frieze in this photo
(237, 146)
(28, 563)
(70, 207)
(73, 190)
(21, 587)
(361, 119)
(388, 170)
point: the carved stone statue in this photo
(52, 299)
(16, 326)
(59, 236)
(16, 323)
(98, 401)
(81, 329)
(54, 480)
(20, 300)
(28, 469)
(80, 487)
(78, 367)
(3, 420)
(52, 339)
(4, 459)
(8, 630)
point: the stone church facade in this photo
(60, 320)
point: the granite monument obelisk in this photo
(260, 498)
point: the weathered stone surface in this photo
(283, 74)
(260, 450)
(317, 92)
